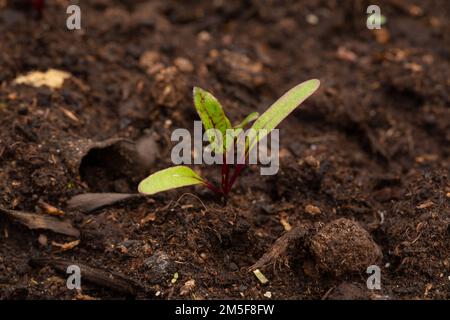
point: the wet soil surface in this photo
(364, 163)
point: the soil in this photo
(364, 163)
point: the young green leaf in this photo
(170, 178)
(212, 115)
(282, 108)
(251, 117)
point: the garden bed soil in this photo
(364, 163)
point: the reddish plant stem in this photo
(224, 169)
(237, 171)
(212, 187)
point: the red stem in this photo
(237, 171)
(212, 188)
(224, 169)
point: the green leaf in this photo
(212, 116)
(278, 111)
(170, 178)
(251, 117)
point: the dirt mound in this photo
(343, 246)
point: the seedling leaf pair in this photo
(216, 125)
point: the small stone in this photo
(414, 67)
(43, 240)
(204, 36)
(237, 67)
(159, 264)
(415, 11)
(184, 65)
(169, 87)
(268, 294)
(312, 162)
(312, 19)
(149, 59)
(312, 210)
(147, 150)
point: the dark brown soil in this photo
(372, 145)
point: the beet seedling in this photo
(223, 138)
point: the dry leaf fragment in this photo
(428, 287)
(69, 114)
(427, 158)
(51, 78)
(261, 277)
(148, 218)
(187, 287)
(86, 297)
(37, 221)
(425, 204)
(88, 202)
(66, 246)
(49, 209)
(285, 223)
(414, 67)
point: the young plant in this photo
(213, 117)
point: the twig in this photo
(107, 279)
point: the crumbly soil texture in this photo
(364, 163)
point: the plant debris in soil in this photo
(364, 163)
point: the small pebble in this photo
(312, 210)
(184, 65)
(312, 19)
(43, 241)
(312, 162)
(204, 36)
